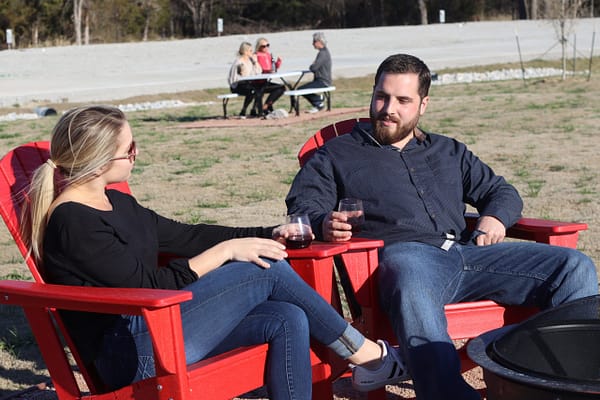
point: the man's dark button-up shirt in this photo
(417, 193)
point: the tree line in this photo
(59, 22)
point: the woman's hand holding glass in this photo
(296, 233)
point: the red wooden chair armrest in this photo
(547, 226)
(93, 299)
(160, 309)
(364, 244)
(541, 230)
(318, 250)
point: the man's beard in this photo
(385, 135)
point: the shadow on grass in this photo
(177, 118)
(20, 358)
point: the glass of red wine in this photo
(353, 208)
(299, 231)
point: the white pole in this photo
(9, 38)
(219, 26)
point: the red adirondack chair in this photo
(465, 320)
(221, 377)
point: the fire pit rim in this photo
(477, 351)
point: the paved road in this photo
(116, 71)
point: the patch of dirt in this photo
(235, 121)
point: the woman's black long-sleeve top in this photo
(84, 246)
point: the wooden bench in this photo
(225, 98)
(295, 96)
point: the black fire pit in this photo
(554, 355)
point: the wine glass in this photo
(353, 208)
(299, 231)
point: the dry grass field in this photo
(542, 136)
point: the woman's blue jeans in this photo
(240, 304)
(416, 280)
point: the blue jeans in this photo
(240, 304)
(417, 280)
(314, 99)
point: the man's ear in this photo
(423, 106)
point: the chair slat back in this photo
(324, 134)
(16, 173)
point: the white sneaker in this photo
(316, 108)
(391, 370)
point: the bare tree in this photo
(563, 14)
(423, 11)
(534, 8)
(336, 9)
(77, 14)
(197, 8)
(148, 8)
(86, 27)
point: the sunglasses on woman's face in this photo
(265, 45)
(132, 152)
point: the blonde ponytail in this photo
(42, 193)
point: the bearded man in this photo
(414, 186)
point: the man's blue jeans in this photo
(314, 99)
(240, 304)
(417, 280)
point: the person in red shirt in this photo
(266, 60)
(268, 64)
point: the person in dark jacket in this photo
(414, 186)
(244, 292)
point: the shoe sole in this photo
(369, 386)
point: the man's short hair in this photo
(403, 64)
(319, 37)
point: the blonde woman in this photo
(245, 64)
(245, 293)
(264, 57)
(268, 64)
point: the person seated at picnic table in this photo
(321, 69)
(244, 292)
(245, 64)
(267, 61)
(268, 64)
